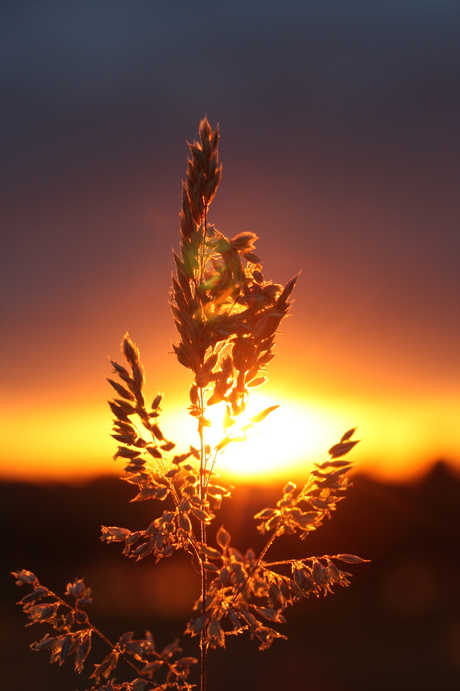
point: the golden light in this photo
(66, 441)
(289, 439)
(58, 441)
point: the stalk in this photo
(227, 316)
(203, 538)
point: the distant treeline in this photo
(396, 627)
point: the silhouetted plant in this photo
(227, 317)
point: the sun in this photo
(289, 439)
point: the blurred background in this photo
(396, 627)
(340, 145)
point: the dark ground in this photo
(397, 627)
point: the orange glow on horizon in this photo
(400, 439)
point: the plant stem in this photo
(203, 645)
(257, 564)
(95, 630)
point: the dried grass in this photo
(227, 317)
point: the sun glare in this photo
(290, 439)
(400, 439)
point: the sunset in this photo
(230, 322)
(400, 439)
(352, 187)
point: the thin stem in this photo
(123, 655)
(257, 564)
(104, 638)
(302, 560)
(204, 585)
(209, 473)
(172, 488)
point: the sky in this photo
(341, 151)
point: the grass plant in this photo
(227, 317)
